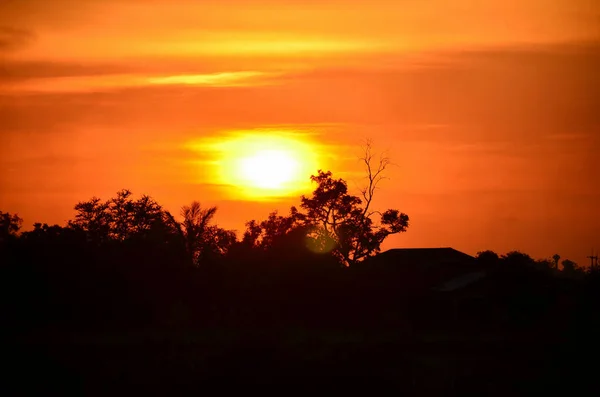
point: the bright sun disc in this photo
(269, 169)
(264, 164)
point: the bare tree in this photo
(346, 222)
(375, 170)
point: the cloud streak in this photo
(128, 28)
(98, 83)
(12, 39)
(223, 79)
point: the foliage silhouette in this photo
(487, 259)
(122, 218)
(340, 224)
(571, 268)
(265, 234)
(556, 259)
(204, 242)
(333, 220)
(126, 268)
(9, 225)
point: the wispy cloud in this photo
(224, 79)
(110, 82)
(14, 38)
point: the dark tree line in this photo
(124, 253)
(127, 264)
(128, 251)
(332, 221)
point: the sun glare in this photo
(262, 165)
(269, 169)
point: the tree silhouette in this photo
(518, 258)
(122, 265)
(341, 224)
(556, 258)
(571, 268)
(9, 225)
(333, 220)
(265, 234)
(487, 259)
(122, 218)
(203, 240)
(92, 218)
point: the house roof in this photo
(461, 281)
(425, 267)
(424, 256)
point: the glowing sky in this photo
(488, 108)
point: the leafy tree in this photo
(571, 268)
(92, 217)
(122, 218)
(130, 217)
(516, 262)
(280, 246)
(487, 258)
(518, 258)
(333, 220)
(203, 240)
(46, 231)
(266, 234)
(545, 264)
(569, 265)
(54, 242)
(9, 225)
(344, 223)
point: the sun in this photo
(269, 169)
(263, 164)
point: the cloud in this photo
(105, 81)
(14, 38)
(161, 27)
(511, 93)
(224, 79)
(14, 70)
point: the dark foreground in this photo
(125, 300)
(127, 328)
(142, 362)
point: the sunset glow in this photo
(487, 109)
(396, 194)
(269, 169)
(259, 165)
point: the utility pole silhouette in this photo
(593, 260)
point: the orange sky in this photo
(489, 109)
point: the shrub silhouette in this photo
(126, 264)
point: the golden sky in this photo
(488, 108)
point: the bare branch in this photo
(374, 174)
(373, 213)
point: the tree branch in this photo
(374, 175)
